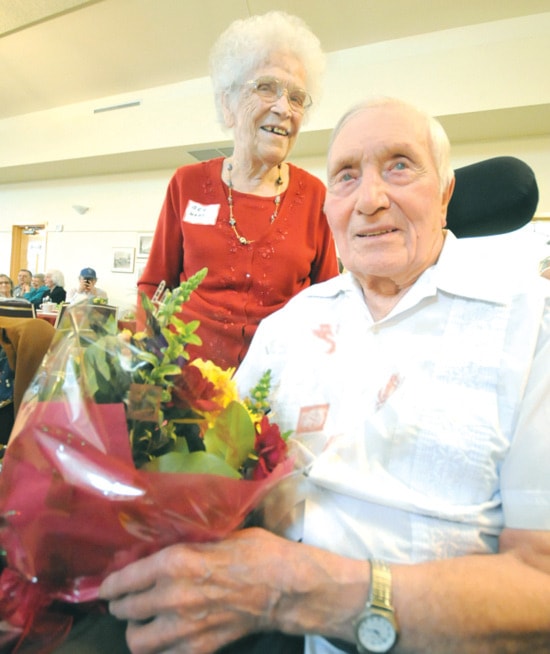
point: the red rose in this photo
(270, 448)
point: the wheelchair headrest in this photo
(494, 196)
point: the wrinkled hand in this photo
(196, 598)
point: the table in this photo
(50, 316)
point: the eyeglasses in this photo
(271, 89)
(3, 282)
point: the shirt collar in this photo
(467, 267)
(464, 268)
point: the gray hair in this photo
(439, 141)
(57, 277)
(249, 43)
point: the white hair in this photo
(439, 141)
(249, 43)
(57, 277)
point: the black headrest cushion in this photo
(494, 196)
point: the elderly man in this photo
(418, 391)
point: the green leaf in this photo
(232, 437)
(180, 445)
(195, 462)
(164, 371)
(149, 357)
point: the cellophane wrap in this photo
(74, 507)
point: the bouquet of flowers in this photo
(85, 486)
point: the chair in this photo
(23, 344)
(17, 309)
(494, 196)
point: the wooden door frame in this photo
(16, 241)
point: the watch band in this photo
(380, 585)
(379, 597)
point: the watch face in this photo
(376, 633)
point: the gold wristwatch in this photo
(376, 627)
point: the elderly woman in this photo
(38, 290)
(55, 281)
(255, 221)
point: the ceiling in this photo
(59, 52)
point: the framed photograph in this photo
(144, 245)
(123, 260)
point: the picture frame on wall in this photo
(123, 260)
(144, 244)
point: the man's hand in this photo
(196, 598)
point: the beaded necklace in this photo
(277, 201)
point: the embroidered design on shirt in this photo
(201, 214)
(384, 393)
(325, 333)
(312, 418)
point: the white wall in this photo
(120, 207)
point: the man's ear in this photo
(445, 199)
(228, 118)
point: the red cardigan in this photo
(244, 283)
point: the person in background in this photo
(87, 289)
(24, 278)
(417, 388)
(6, 286)
(55, 281)
(254, 220)
(38, 291)
(544, 268)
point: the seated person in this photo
(6, 397)
(7, 300)
(55, 281)
(24, 278)
(6, 286)
(38, 290)
(417, 388)
(23, 344)
(87, 289)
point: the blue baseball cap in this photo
(88, 272)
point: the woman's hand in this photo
(196, 598)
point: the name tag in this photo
(201, 214)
